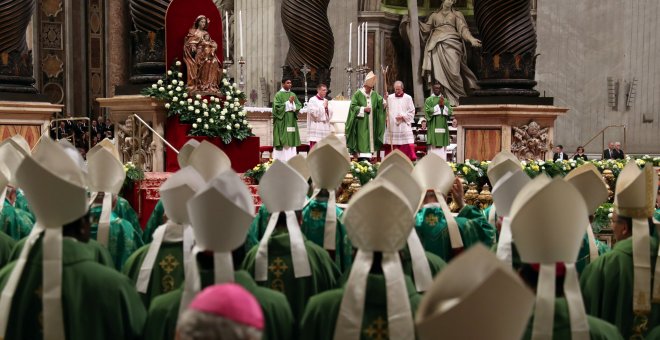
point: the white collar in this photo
(283, 90)
(365, 92)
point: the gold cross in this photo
(278, 267)
(168, 264)
(316, 214)
(431, 219)
(377, 330)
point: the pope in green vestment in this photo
(313, 227)
(561, 329)
(607, 287)
(320, 317)
(431, 226)
(15, 223)
(325, 273)
(357, 123)
(164, 310)
(97, 301)
(156, 219)
(167, 273)
(285, 122)
(124, 211)
(123, 239)
(100, 253)
(437, 118)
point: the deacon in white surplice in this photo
(318, 116)
(398, 133)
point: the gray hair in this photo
(617, 143)
(196, 325)
(399, 82)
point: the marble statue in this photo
(444, 55)
(199, 54)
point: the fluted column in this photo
(16, 68)
(311, 42)
(508, 59)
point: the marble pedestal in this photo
(136, 143)
(29, 119)
(485, 130)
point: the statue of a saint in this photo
(444, 55)
(199, 54)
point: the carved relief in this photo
(52, 65)
(530, 141)
(136, 144)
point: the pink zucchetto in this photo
(232, 302)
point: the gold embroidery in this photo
(640, 326)
(278, 267)
(431, 219)
(168, 264)
(316, 214)
(377, 330)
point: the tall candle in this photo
(350, 41)
(227, 33)
(359, 46)
(366, 31)
(240, 29)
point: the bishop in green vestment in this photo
(257, 228)
(167, 273)
(123, 239)
(100, 253)
(98, 302)
(286, 136)
(15, 223)
(584, 257)
(124, 211)
(313, 227)
(22, 203)
(156, 219)
(325, 274)
(320, 317)
(164, 309)
(607, 287)
(366, 109)
(438, 111)
(431, 226)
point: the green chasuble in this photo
(654, 334)
(320, 318)
(285, 124)
(313, 227)
(607, 287)
(325, 273)
(357, 128)
(124, 211)
(123, 239)
(167, 273)
(257, 228)
(656, 216)
(431, 227)
(583, 256)
(437, 128)
(156, 219)
(598, 329)
(100, 253)
(7, 245)
(22, 203)
(97, 301)
(15, 222)
(278, 320)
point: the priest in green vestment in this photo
(365, 125)
(57, 261)
(438, 111)
(378, 301)
(286, 136)
(284, 260)
(158, 267)
(440, 232)
(628, 271)
(548, 244)
(226, 199)
(458, 294)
